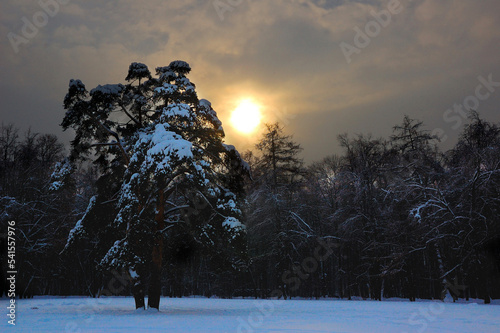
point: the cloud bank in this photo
(285, 54)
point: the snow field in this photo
(116, 314)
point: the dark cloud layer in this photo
(285, 54)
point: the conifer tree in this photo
(163, 165)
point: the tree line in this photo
(391, 217)
(407, 219)
(43, 216)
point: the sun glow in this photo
(246, 117)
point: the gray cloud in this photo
(283, 53)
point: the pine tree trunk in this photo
(154, 291)
(138, 291)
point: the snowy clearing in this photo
(115, 314)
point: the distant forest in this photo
(392, 217)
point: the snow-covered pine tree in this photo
(163, 165)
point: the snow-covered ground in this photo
(116, 314)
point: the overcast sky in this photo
(288, 55)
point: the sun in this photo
(246, 117)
